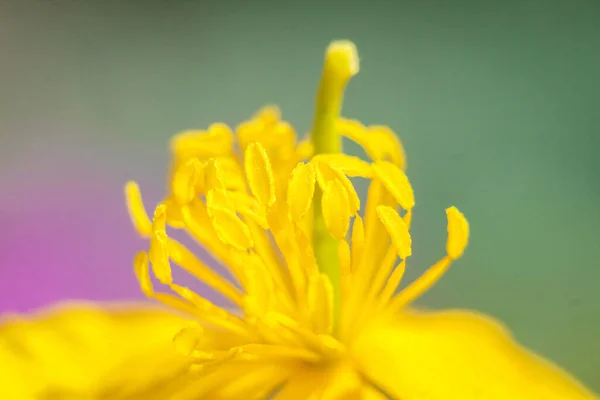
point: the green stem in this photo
(341, 63)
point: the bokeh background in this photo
(497, 103)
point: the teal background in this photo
(497, 103)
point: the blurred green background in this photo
(497, 103)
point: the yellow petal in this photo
(330, 382)
(81, 351)
(457, 355)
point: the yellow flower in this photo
(315, 309)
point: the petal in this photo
(76, 351)
(457, 355)
(330, 382)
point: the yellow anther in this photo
(336, 209)
(259, 174)
(326, 173)
(218, 199)
(230, 228)
(137, 212)
(213, 175)
(140, 266)
(249, 132)
(218, 141)
(397, 230)
(379, 142)
(458, 233)
(301, 189)
(220, 130)
(268, 115)
(158, 252)
(348, 165)
(395, 180)
(248, 206)
(225, 173)
(187, 178)
(387, 145)
(304, 149)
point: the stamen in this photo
(305, 149)
(249, 208)
(212, 314)
(379, 142)
(268, 115)
(397, 230)
(259, 174)
(388, 145)
(376, 238)
(344, 255)
(140, 266)
(199, 226)
(458, 235)
(158, 252)
(349, 165)
(301, 189)
(358, 242)
(326, 173)
(392, 284)
(186, 179)
(336, 209)
(395, 180)
(190, 263)
(135, 205)
(381, 275)
(421, 285)
(320, 301)
(230, 228)
(214, 175)
(218, 199)
(202, 144)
